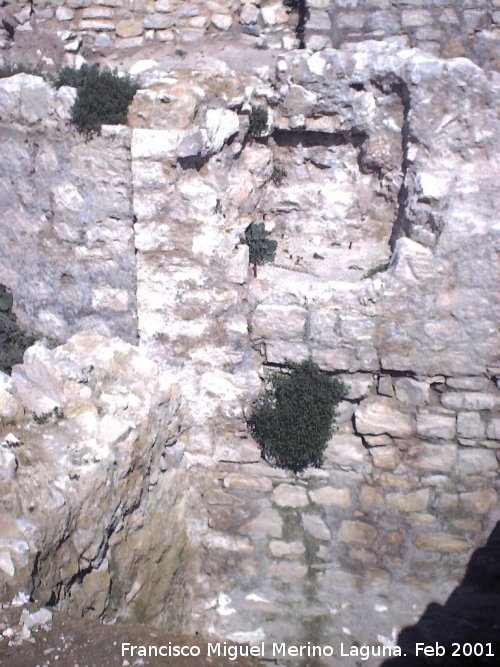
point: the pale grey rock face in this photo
(79, 477)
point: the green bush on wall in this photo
(258, 121)
(103, 97)
(293, 420)
(261, 247)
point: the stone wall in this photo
(67, 249)
(386, 273)
(101, 24)
(448, 29)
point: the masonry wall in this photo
(450, 29)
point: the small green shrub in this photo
(262, 249)
(258, 121)
(13, 340)
(278, 176)
(293, 420)
(10, 70)
(103, 97)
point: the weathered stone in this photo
(493, 428)
(385, 457)
(468, 383)
(443, 542)
(328, 496)
(380, 415)
(412, 392)
(268, 522)
(221, 125)
(286, 322)
(429, 457)
(470, 425)
(280, 549)
(288, 495)
(288, 571)
(479, 502)
(235, 481)
(225, 542)
(415, 501)
(371, 497)
(346, 450)
(470, 401)
(356, 531)
(433, 425)
(316, 527)
(242, 451)
(129, 28)
(477, 461)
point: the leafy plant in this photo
(103, 97)
(261, 248)
(13, 340)
(293, 420)
(278, 176)
(258, 121)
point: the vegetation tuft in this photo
(293, 420)
(103, 97)
(258, 121)
(261, 248)
(13, 341)
(10, 69)
(278, 176)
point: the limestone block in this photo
(237, 265)
(316, 527)
(385, 457)
(249, 14)
(434, 457)
(357, 532)
(470, 401)
(385, 386)
(328, 496)
(493, 428)
(234, 481)
(222, 22)
(476, 461)
(434, 425)
(345, 449)
(468, 383)
(289, 495)
(380, 415)
(98, 26)
(268, 522)
(274, 14)
(97, 13)
(412, 18)
(65, 14)
(221, 125)
(242, 451)
(129, 28)
(164, 6)
(442, 542)
(288, 571)
(8, 465)
(281, 549)
(358, 385)
(412, 392)
(470, 425)
(286, 322)
(155, 144)
(157, 22)
(371, 497)
(479, 502)
(415, 501)
(214, 540)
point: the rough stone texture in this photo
(73, 512)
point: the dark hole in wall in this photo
(309, 139)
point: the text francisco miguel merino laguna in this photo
(274, 650)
